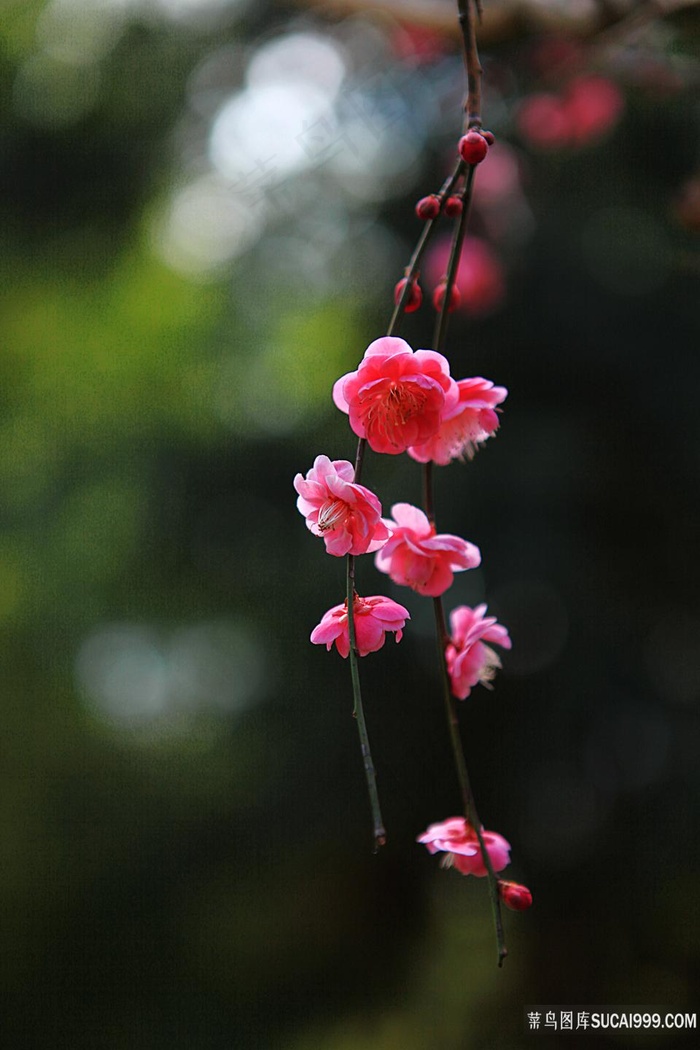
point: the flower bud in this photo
(489, 136)
(453, 207)
(415, 297)
(514, 895)
(428, 207)
(473, 147)
(439, 297)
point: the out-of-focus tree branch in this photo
(504, 20)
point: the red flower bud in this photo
(453, 207)
(514, 896)
(439, 297)
(428, 207)
(473, 147)
(415, 296)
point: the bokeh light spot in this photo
(134, 676)
(51, 92)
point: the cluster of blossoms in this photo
(400, 400)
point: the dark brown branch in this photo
(468, 11)
(504, 20)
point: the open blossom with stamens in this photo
(458, 840)
(373, 618)
(396, 397)
(415, 556)
(469, 660)
(464, 426)
(347, 516)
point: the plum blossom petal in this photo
(346, 515)
(397, 396)
(416, 556)
(469, 660)
(458, 840)
(374, 617)
(465, 426)
(451, 835)
(499, 854)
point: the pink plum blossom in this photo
(465, 426)
(469, 661)
(415, 556)
(499, 180)
(396, 397)
(347, 516)
(458, 839)
(373, 617)
(496, 847)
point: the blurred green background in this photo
(205, 207)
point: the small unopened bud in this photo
(514, 895)
(439, 297)
(453, 207)
(473, 147)
(489, 136)
(415, 296)
(428, 207)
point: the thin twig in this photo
(358, 709)
(358, 712)
(468, 10)
(413, 267)
(468, 803)
(453, 265)
(359, 459)
(473, 110)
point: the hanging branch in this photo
(399, 400)
(468, 803)
(468, 11)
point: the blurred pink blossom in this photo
(397, 396)
(347, 516)
(543, 121)
(373, 617)
(553, 55)
(458, 839)
(588, 109)
(479, 275)
(415, 556)
(498, 180)
(417, 44)
(469, 661)
(594, 105)
(466, 426)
